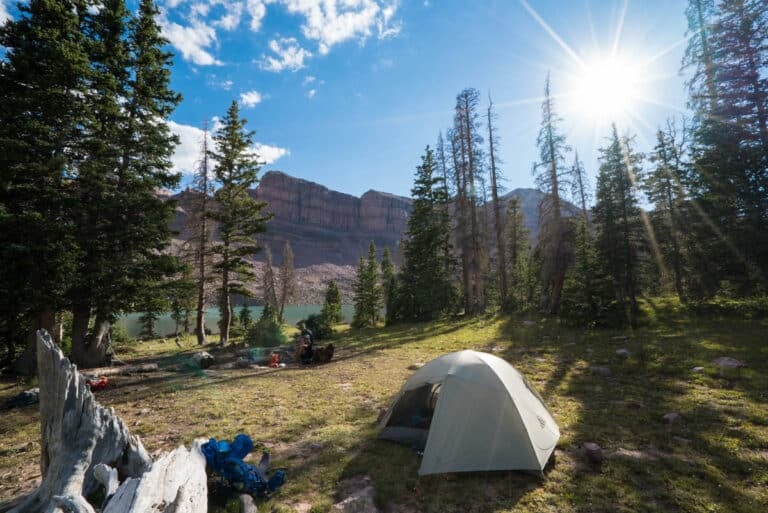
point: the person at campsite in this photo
(306, 344)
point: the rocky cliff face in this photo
(323, 226)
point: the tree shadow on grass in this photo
(696, 463)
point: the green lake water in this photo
(165, 325)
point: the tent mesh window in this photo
(412, 416)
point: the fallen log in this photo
(127, 369)
(78, 434)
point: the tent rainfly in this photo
(472, 411)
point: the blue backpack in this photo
(226, 460)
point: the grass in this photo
(320, 422)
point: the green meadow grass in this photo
(319, 423)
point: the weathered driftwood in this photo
(78, 435)
(177, 483)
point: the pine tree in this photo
(287, 279)
(425, 291)
(331, 312)
(367, 291)
(239, 216)
(495, 176)
(388, 283)
(553, 244)
(730, 145)
(42, 114)
(198, 246)
(522, 280)
(268, 281)
(467, 143)
(244, 317)
(663, 187)
(620, 240)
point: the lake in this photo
(165, 325)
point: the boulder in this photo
(203, 359)
(672, 417)
(593, 452)
(697, 370)
(624, 353)
(726, 362)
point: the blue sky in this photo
(348, 93)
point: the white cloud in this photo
(257, 9)
(250, 98)
(308, 80)
(311, 93)
(191, 41)
(330, 22)
(187, 154)
(269, 154)
(4, 16)
(290, 55)
(227, 85)
(231, 19)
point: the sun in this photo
(605, 89)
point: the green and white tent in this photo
(472, 411)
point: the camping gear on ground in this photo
(226, 460)
(95, 383)
(472, 411)
(274, 360)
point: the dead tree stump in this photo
(77, 434)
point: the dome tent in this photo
(472, 411)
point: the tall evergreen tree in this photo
(425, 291)
(469, 171)
(620, 238)
(495, 175)
(388, 283)
(198, 245)
(239, 216)
(730, 145)
(663, 187)
(287, 279)
(42, 114)
(269, 285)
(551, 177)
(134, 220)
(520, 268)
(367, 291)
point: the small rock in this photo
(203, 359)
(359, 498)
(726, 362)
(672, 417)
(624, 353)
(415, 366)
(25, 398)
(619, 337)
(601, 371)
(144, 411)
(529, 324)
(593, 452)
(314, 447)
(697, 370)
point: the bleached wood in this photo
(177, 483)
(79, 434)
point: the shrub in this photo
(319, 325)
(267, 332)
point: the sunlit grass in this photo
(320, 422)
